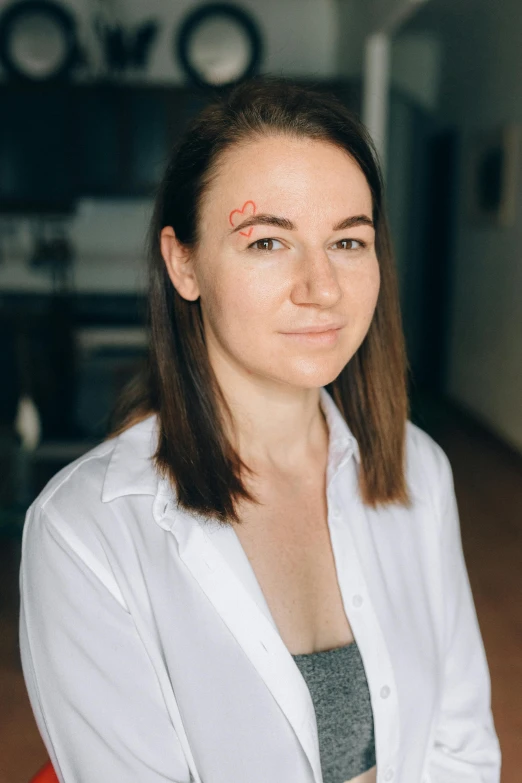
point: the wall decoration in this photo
(38, 41)
(218, 45)
(125, 48)
(493, 175)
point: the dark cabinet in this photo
(122, 137)
(59, 143)
(97, 137)
(36, 146)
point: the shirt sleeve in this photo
(465, 747)
(92, 687)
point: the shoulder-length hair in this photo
(178, 384)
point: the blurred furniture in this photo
(45, 775)
(72, 360)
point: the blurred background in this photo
(92, 95)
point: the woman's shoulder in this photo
(427, 465)
(71, 530)
(84, 485)
(423, 445)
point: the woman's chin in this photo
(310, 375)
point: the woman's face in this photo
(304, 258)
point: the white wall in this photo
(351, 34)
(416, 67)
(481, 88)
(390, 15)
(415, 57)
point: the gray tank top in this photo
(337, 683)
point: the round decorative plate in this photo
(218, 45)
(38, 40)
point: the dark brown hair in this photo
(179, 384)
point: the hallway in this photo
(488, 480)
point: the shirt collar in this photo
(131, 470)
(342, 441)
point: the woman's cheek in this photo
(363, 289)
(255, 293)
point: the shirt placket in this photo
(344, 510)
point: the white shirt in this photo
(150, 654)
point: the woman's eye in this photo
(264, 244)
(351, 244)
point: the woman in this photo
(260, 576)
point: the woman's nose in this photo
(316, 280)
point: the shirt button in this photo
(388, 774)
(336, 512)
(385, 692)
(357, 600)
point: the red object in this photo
(45, 775)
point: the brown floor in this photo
(488, 480)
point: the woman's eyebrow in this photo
(264, 220)
(356, 220)
(280, 222)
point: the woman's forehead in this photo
(265, 152)
(289, 172)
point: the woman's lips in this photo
(315, 338)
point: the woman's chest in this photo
(288, 545)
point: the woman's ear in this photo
(179, 264)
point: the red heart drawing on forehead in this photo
(235, 217)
